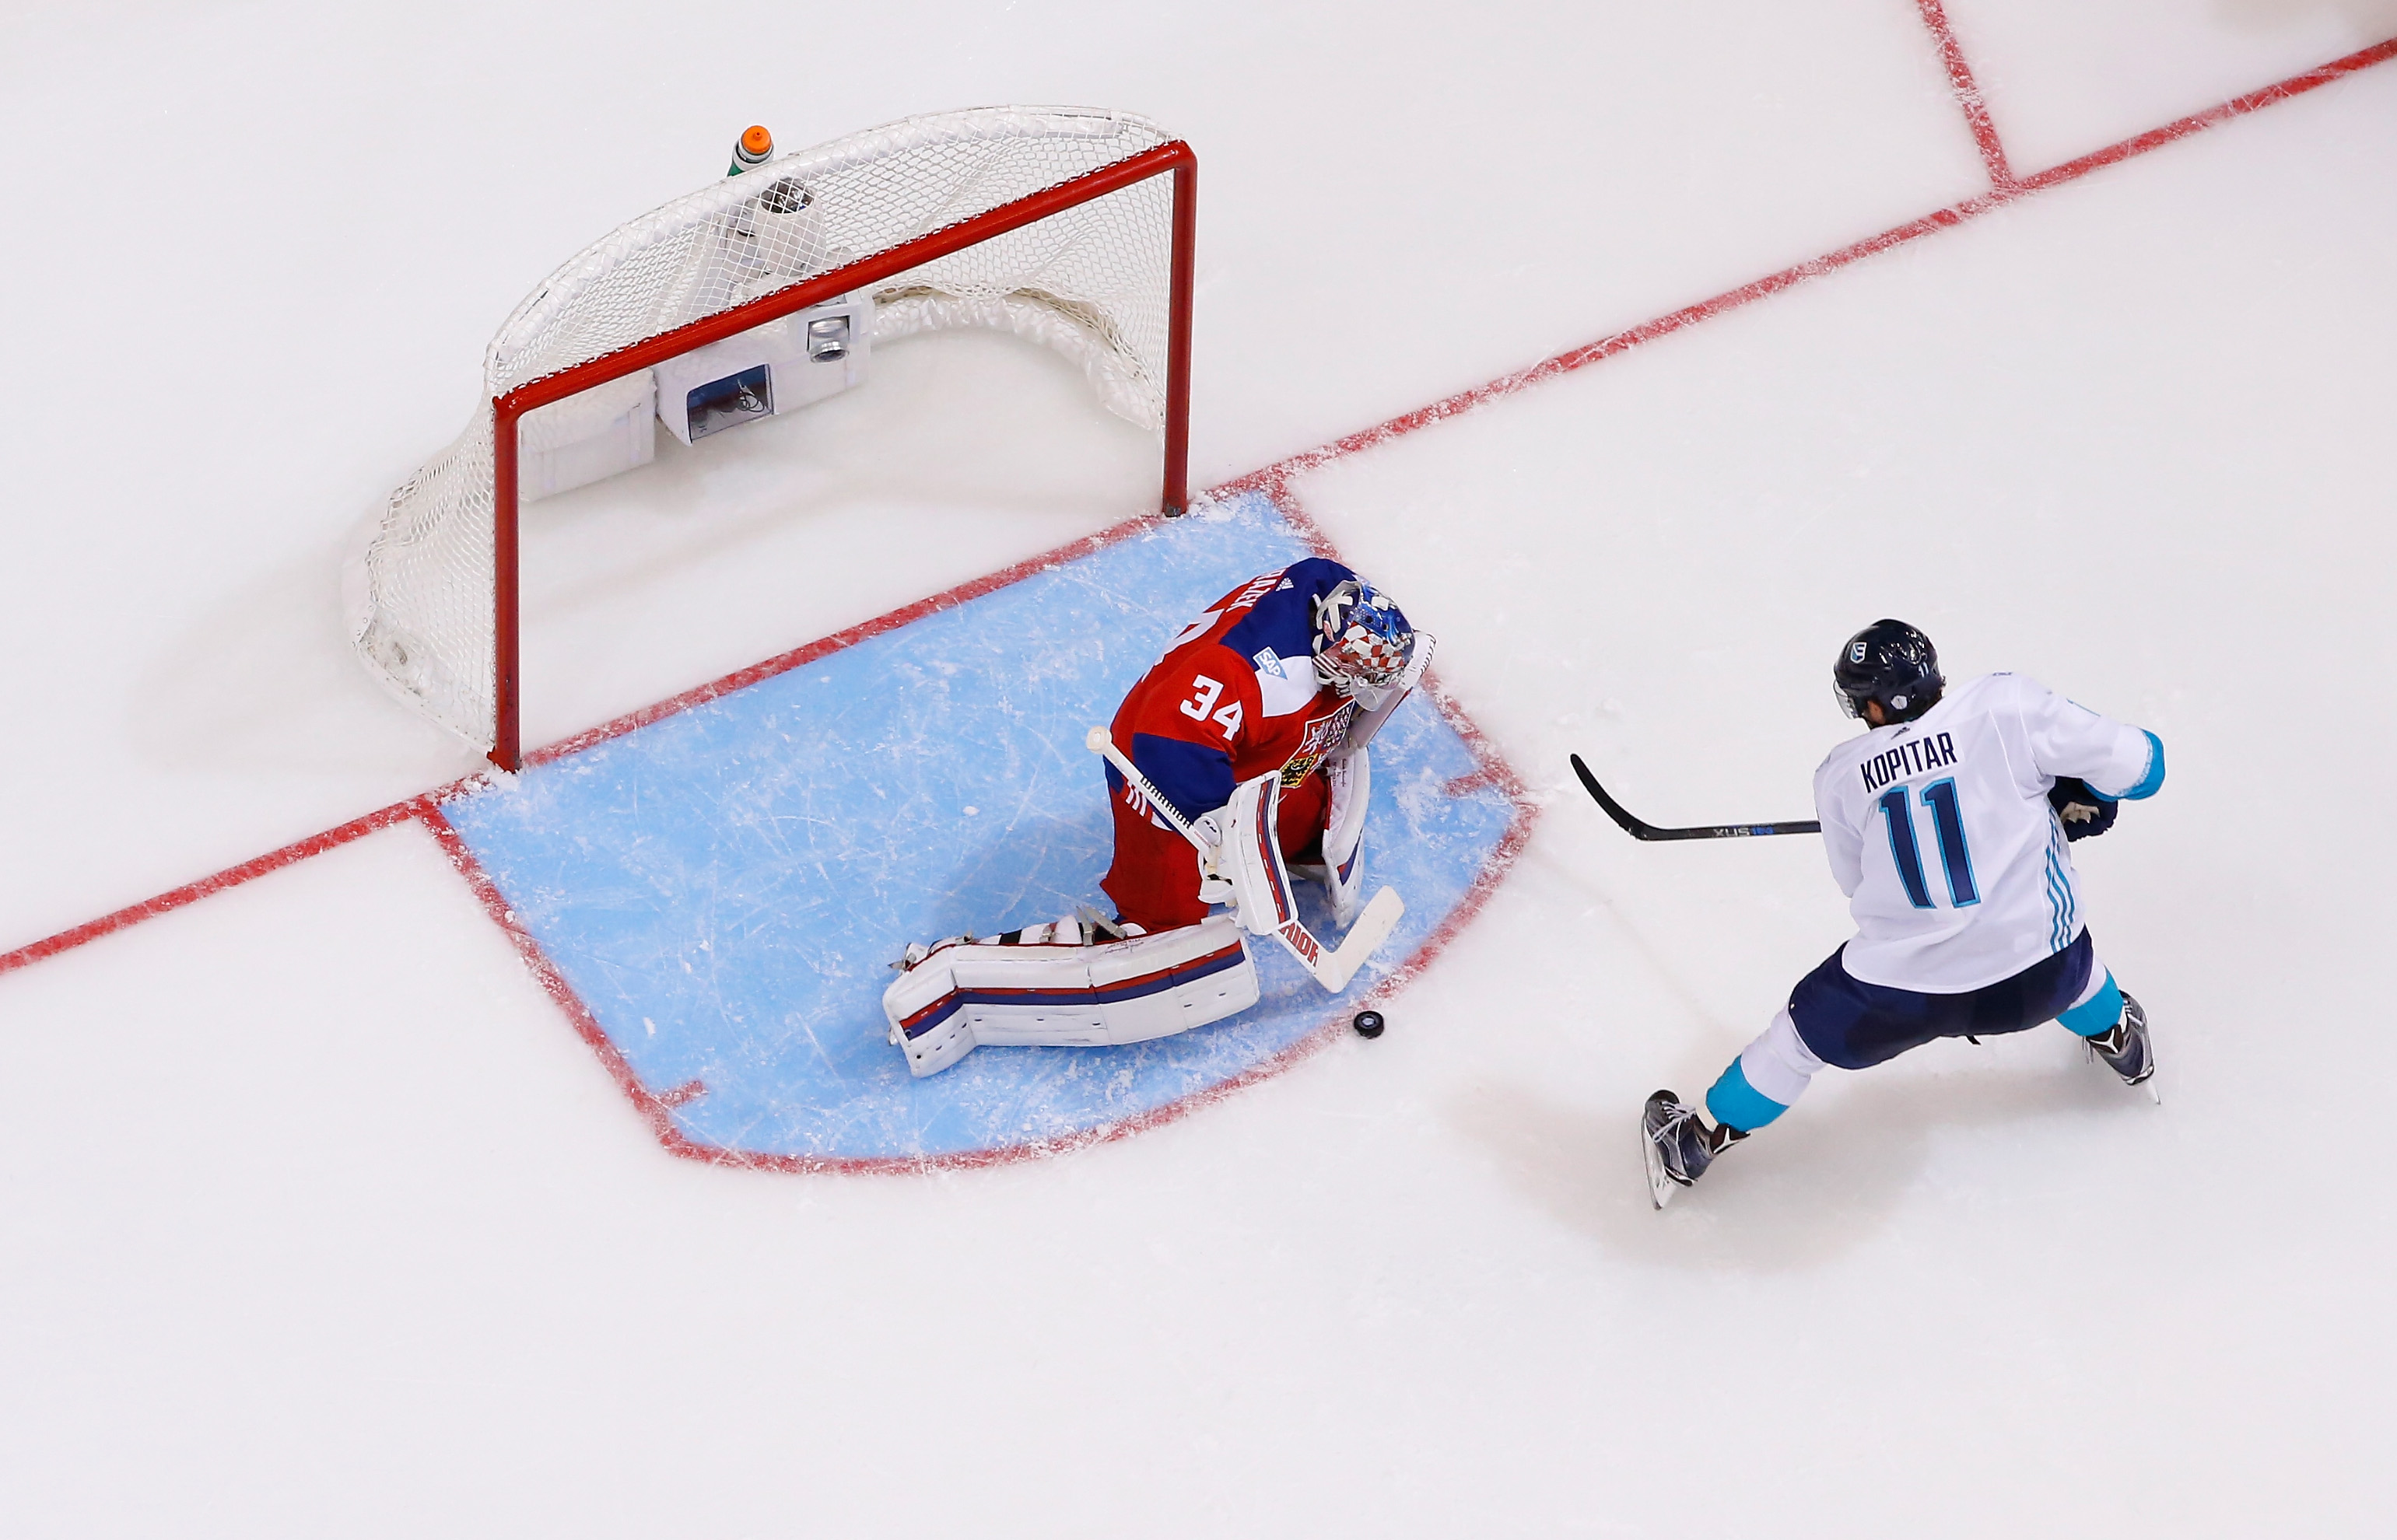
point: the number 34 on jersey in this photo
(1201, 706)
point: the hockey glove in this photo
(2083, 811)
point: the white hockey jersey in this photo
(1940, 833)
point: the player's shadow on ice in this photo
(1825, 1179)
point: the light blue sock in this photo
(1735, 1102)
(2097, 1015)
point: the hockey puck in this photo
(1368, 1024)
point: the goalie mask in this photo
(1361, 637)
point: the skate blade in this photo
(2155, 1094)
(1661, 1188)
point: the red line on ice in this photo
(1968, 93)
(192, 892)
(2180, 129)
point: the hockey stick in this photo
(1330, 967)
(1100, 740)
(1638, 830)
(1361, 731)
(1335, 968)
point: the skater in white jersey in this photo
(1947, 825)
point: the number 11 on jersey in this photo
(1948, 823)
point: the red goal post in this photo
(1078, 249)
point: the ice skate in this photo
(2126, 1050)
(1678, 1145)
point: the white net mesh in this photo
(1093, 282)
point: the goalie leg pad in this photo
(1344, 836)
(1351, 781)
(1057, 993)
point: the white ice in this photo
(315, 1217)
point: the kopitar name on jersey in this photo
(1909, 759)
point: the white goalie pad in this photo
(1054, 985)
(1351, 781)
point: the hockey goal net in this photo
(1070, 226)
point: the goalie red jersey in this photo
(1253, 685)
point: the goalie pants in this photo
(1836, 1018)
(1155, 878)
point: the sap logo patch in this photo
(1269, 662)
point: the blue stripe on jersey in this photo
(2060, 905)
(2148, 785)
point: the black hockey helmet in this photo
(1891, 663)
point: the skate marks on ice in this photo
(1832, 1174)
(725, 889)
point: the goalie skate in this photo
(1075, 984)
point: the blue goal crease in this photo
(726, 889)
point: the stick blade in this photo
(1621, 815)
(1364, 937)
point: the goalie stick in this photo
(1638, 830)
(1330, 967)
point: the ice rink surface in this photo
(319, 1218)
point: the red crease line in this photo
(654, 1109)
(1492, 770)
